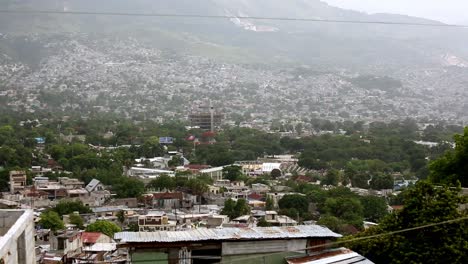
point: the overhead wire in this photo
(330, 244)
(175, 15)
(325, 245)
(199, 16)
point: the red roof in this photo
(168, 195)
(255, 196)
(303, 178)
(397, 207)
(90, 237)
(35, 193)
(197, 166)
(208, 134)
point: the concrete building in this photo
(17, 237)
(260, 188)
(275, 197)
(147, 173)
(65, 243)
(155, 221)
(206, 118)
(70, 183)
(275, 219)
(215, 173)
(17, 181)
(94, 185)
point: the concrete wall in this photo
(268, 258)
(265, 246)
(17, 237)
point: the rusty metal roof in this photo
(204, 234)
(331, 256)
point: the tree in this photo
(232, 173)
(424, 204)
(263, 223)
(242, 208)
(77, 220)
(151, 148)
(228, 208)
(133, 227)
(381, 181)
(175, 161)
(334, 223)
(360, 180)
(374, 208)
(269, 205)
(197, 186)
(453, 166)
(129, 187)
(235, 209)
(121, 216)
(65, 207)
(347, 209)
(57, 152)
(51, 220)
(275, 173)
(162, 182)
(294, 201)
(105, 227)
(331, 178)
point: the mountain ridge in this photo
(349, 45)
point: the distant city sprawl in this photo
(86, 74)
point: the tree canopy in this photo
(232, 173)
(453, 166)
(105, 227)
(51, 220)
(424, 204)
(235, 209)
(129, 187)
(65, 207)
(162, 182)
(294, 205)
(77, 220)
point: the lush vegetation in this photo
(105, 227)
(77, 220)
(431, 227)
(65, 207)
(51, 220)
(452, 167)
(234, 209)
(425, 204)
(381, 148)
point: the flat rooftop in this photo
(227, 234)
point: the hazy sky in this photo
(449, 11)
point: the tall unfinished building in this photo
(17, 181)
(206, 117)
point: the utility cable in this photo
(330, 244)
(174, 15)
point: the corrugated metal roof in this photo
(203, 234)
(332, 256)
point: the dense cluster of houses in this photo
(161, 213)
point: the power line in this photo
(360, 238)
(169, 15)
(330, 244)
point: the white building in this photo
(268, 167)
(215, 173)
(17, 237)
(146, 173)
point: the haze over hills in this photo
(331, 44)
(263, 69)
